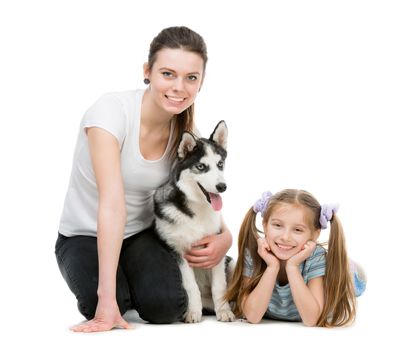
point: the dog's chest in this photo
(185, 230)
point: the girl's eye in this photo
(167, 74)
(192, 77)
(277, 225)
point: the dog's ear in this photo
(187, 144)
(220, 134)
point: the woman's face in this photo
(287, 230)
(175, 78)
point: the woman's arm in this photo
(213, 249)
(111, 219)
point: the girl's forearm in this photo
(256, 304)
(307, 306)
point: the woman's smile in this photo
(175, 99)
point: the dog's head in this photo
(199, 171)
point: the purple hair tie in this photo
(327, 211)
(261, 204)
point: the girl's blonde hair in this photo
(339, 307)
(186, 39)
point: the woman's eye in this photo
(167, 74)
(192, 77)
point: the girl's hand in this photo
(302, 255)
(107, 317)
(209, 251)
(264, 251)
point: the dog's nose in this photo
(221, 187)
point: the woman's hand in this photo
(107, 317)
(302, 255)
(209, 251)
(264, 251)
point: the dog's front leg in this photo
(193, 312)
(218, 290)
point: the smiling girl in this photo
(106, 249)
(284, 274)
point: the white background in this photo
(310, 92)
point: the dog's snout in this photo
(221, 187)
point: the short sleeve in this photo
(315, 264)
(248, 264)
(107, 113)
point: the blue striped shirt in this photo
(281, 305)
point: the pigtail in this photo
(238, 290)
(339, 307)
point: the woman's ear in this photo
(146, 70)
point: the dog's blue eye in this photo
(200, 166)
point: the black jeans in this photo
(148, 276)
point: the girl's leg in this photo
(359, 278)
(78, 262)
(154, 278)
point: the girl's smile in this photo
(284, 247)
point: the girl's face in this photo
(287, 230)
(176, 78)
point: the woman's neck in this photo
(153, 118)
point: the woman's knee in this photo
(77, 261)
(162, 309)
(155, 279)
(87, 306)
(85, 294)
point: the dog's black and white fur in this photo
(187, 209)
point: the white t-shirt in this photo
(119, 114)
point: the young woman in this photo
(106, 248)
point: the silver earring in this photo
(146, 81)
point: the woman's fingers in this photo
(99, 326)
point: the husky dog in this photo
(187, 209)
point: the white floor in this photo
(36, 331)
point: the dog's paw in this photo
(225, 316)
(192, 317)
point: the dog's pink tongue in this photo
(216, 201)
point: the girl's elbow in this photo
(254, 319)
(310, 323)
